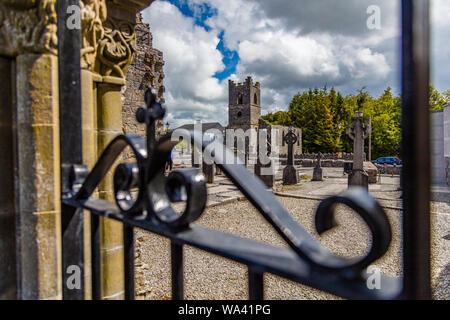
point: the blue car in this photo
(388, 160)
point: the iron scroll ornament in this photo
(156, 192)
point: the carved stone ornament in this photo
(28, 26)
(116, 48)
(93, 13)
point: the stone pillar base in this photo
(348, 167)
(267, 179)
(358, 178)
(317, 174)
(372, 171)
(290, 175)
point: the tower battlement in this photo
(248, 83)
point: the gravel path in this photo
(211, 277)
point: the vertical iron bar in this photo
(95, 257)
(416, 149)
(8, 193)
(255, 285)
(128, 243)
(69, 73)
(177, 271)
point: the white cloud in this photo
(440, 44)
(191, 62)
(286, 45)
(289, 46)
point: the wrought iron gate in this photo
(305, 260)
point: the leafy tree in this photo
(318, 112)
(438, 100)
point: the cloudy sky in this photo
(288, 46)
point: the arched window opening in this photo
(255, 99)
(239, 98)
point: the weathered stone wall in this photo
(146, 70)
(333, 156)
(389, 169)
(327, 163)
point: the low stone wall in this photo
(388, 169)
(328, 159)
(327, 163)
(326, 156)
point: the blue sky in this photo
(288, 46)
(199, 14)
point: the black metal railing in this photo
(304, 260)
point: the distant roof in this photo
(205, 126)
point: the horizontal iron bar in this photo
(280, 261)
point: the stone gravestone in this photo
(317, 173)
(209, 170)
(358, 130)
(267, 179)
(289, 172)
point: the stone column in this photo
(94, 14)
(38, 178)
(109, 126)
(113, 55)
(31, 142)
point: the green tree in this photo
(318, 112)
(438, 100)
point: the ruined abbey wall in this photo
(146, 70)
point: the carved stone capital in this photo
(118, 42)
(93, 14)
(116, 48)
(28, 26)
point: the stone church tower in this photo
(244, 112)
(244, 109)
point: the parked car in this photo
(388, 160)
